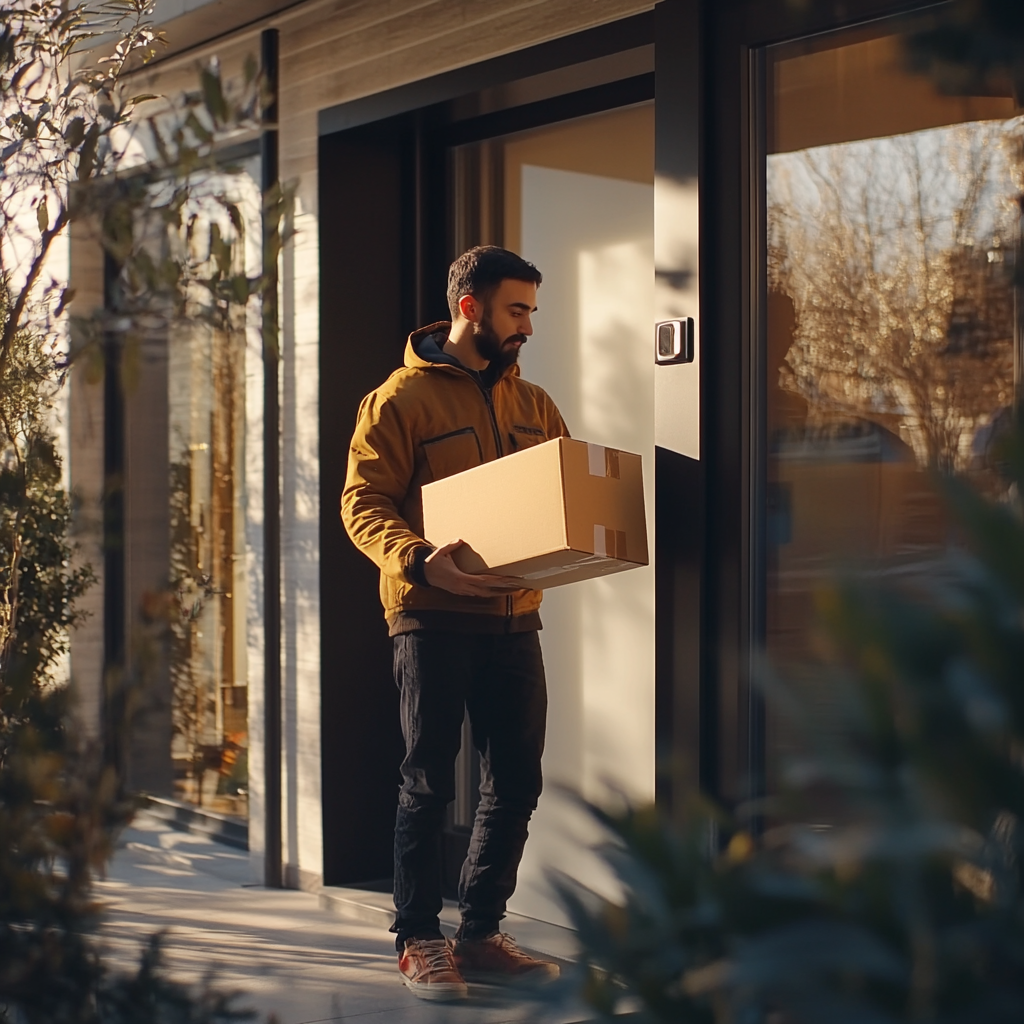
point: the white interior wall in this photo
(592, 237)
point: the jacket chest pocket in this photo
(451, 453)
(521, 436)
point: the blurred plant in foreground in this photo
(887, 885)
(61, 803)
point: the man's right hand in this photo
(442, 572)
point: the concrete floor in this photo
(285, 952)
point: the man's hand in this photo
(442, 572)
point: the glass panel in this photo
(891, 326)
(207, 500)
(577, 199)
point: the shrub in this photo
(888, 885)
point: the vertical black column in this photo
(273, 874)
(686, 708)
(113, 534)
(756, 427)
(1018, 313)
(367, 279)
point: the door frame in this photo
(417, 125)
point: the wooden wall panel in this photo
(345, 63)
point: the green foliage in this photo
(43, 822)
(59, 809)
(76, 147)
(67, 125)
(56, 818)
(58, 132)
(888, 886)
(60, 804)
(38, 585)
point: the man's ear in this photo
(470, 309)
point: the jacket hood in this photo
(425, 347)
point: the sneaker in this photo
(497, 959)
(428, 969)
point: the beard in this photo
(499, 352)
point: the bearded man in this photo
(462, 642)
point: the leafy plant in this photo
(888, 886)
(75, 153)
(61, 803)
(38, 587)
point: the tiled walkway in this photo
(283, 950)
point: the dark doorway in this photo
(365, 314)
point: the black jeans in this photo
(499, 678)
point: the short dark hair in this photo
(480, 270)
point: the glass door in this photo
(576, 198)
(891, 334)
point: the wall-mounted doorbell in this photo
(673, 341)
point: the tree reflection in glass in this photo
(209, 554)
(891, 329)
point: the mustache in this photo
(521, 338)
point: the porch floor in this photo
(308, 958)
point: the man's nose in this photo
(525, 326)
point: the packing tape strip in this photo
(602, 461)
(609, 543)
(543, 573)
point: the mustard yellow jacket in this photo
(430, 419)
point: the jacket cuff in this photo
(415, 570)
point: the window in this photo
(192, 546)
(892, 339)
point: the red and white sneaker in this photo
(498, 960)
(428, 969)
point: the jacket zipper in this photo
(494, 419)
(501, 451)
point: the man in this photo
(462, 642)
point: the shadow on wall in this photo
(592, 238)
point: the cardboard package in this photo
(557, 513)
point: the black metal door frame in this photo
(734, 109)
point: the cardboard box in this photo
(557, 513)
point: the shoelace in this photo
(508, 943)
(436, 954)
